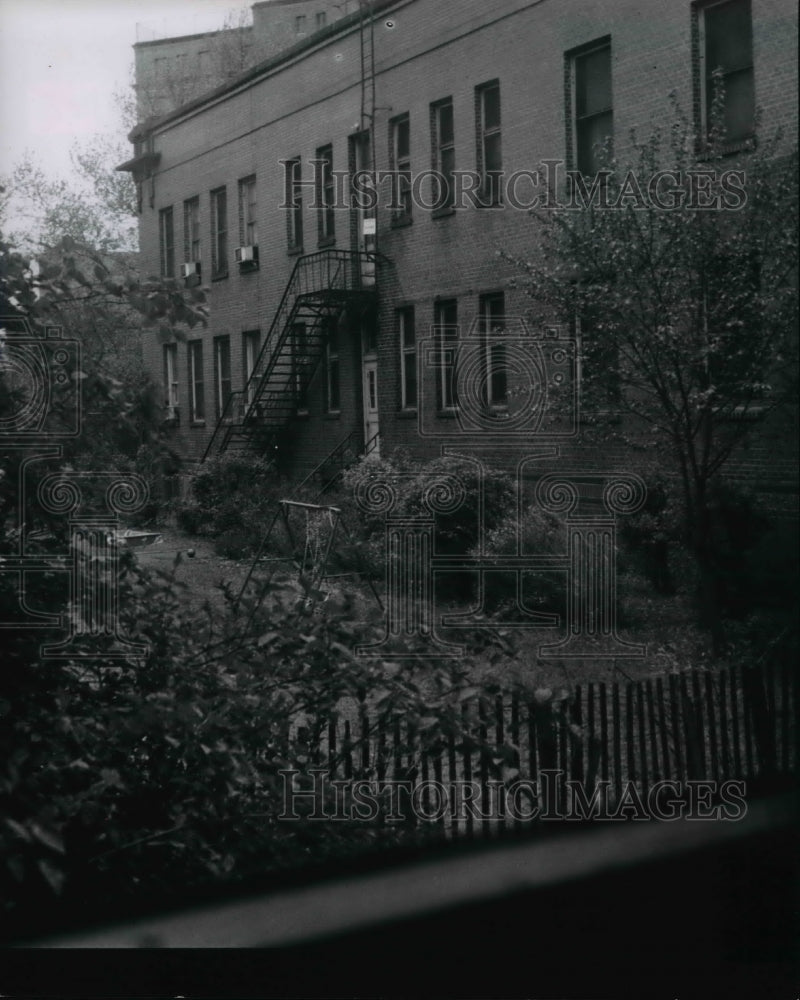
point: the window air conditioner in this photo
(246, 255)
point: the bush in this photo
(231, 496)
(125, 777)
(450, 489)
(537, 532)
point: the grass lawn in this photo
(665, 626)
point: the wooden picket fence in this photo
(733, 723)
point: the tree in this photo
(689, 313)
(229, 52)
(96, 207)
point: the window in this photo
(197, 409)
(599, 356)
(589, 105)
(322, 19)
(191, 229)
(408, 358)
(294, 204)
(733, 322)
(400, 165)
(489, 142)
(492, 328)
(219, 233)
(248, 226)
(726, 48)
(445, 318)
(326, 195)
(300, 24)
(171, 374)
(166, 235)
(300, 361)
(443, 154)
(222, 371)
(251, 344)
(332, 394)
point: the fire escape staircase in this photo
(321, 287)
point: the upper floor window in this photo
(171, 374)
(222, 371)
(489, 144)
(599, 362)
(492, 327)
(400, 165)
(300, 24)
(166, 237)
(322, 19)
(293, 202)
(725, 35)
(251, 345)
(445, 328)
(443, 154)
(408, 358)
(248, 224)
(589, 105)
(219, 233)
(326, 196)
(191, 229)
(197, 407)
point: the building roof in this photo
(340, 26)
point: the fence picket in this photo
(616, 730)
(499, 742)
(675, 703)
(515, 734)
(629, 731)
(729, 724)
(467, 754)
(651, 721)
(483, 735)
(662, 728)
(578, 743)
(643, 766)
(603, 732)
(736, 728)
(725, 759)
(785, 715)
(712, 727)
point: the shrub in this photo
(537, 532)
(231, 495)
(152, 775)
(453, 490)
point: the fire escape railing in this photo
(325, 274)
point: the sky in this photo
(62, 60)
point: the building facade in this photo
(331, 319)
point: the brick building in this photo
(173, 71)
(310, 342)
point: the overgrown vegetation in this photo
(688, 319)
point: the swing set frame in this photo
(314, 573)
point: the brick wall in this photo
(424, 51)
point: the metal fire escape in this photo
(321, 288)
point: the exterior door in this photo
(371, 425)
